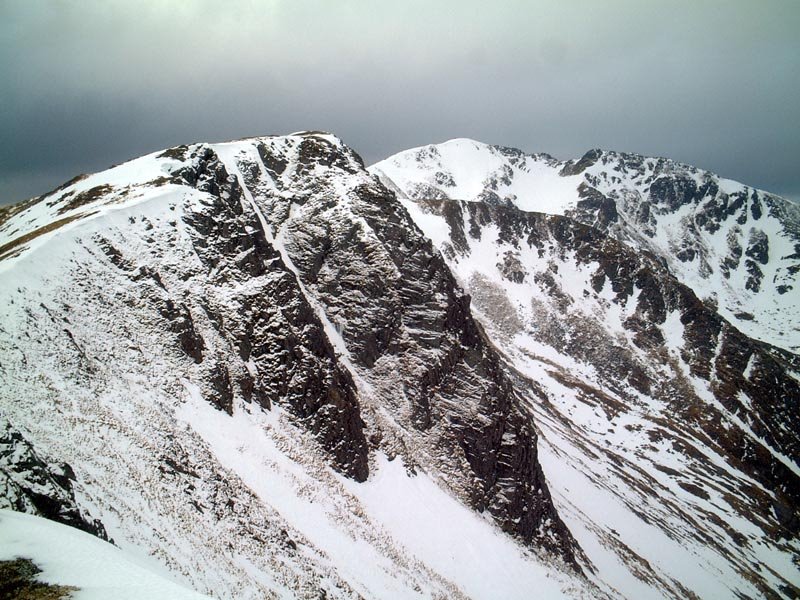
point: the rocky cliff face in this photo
(230, 339)
(406, 331)
(29, 484)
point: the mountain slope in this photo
(665, 432)
(736, 247)
(656, 414)
(280, 376)
(247, 352)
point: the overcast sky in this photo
(713, 83)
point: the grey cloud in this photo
(94, 83)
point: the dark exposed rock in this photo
(181, 323)
(445, 179)
(512, 268)
(273, 163)
(318, 150)
(592, 200)
(275, 328)
(586, 161)
(731, 262)
(755, 206)
(758, 246)
(176, 153)
(114, 254)
(755, 276)
(673, 192)
(220, 381)
(31, 485)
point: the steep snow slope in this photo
(667, 436)
(228, 343)
(68, 557)
(733, 245)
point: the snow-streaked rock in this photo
(31, 485)
(665, 432)
(735, 246)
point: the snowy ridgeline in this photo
(268, 382)
(735, 246)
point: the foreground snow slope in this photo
(70, 557)
(735, 246)
(226, 344)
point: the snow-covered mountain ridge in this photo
(254, 364)
(222, 340)
(735, 246)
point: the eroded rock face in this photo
(408, 331)
(29, 484)
(272, 325)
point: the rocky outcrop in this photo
(31, 485)
(408, 331)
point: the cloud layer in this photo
(88, 84)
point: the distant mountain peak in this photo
(710, 230)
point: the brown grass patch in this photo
(14, 246)
(86, 197)
(18, 582)
(6, 212)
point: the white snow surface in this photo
(406, 511)
(70, 557)
(463, 169)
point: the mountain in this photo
(277, 373)
(261, 373)
(738, 248)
